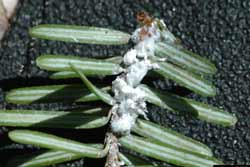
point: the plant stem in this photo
(113, 154)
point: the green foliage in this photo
(161, 143)
(105, 97)
(80, 34)
(56, 119)
(52, 93)
(184, 58)
(168, 154)
(187, 79)
(56, 143)
(183, 105)
(168, 137)
(86, 65)
(43, 159)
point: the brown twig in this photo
(112, 157)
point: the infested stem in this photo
(129, 99)
(128, 96)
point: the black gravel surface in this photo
(216, 29)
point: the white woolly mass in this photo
(130, 57)
(136, 73)
(123, 124)
(135, 35)
(129, 98)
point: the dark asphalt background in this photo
(217, 29)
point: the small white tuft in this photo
(136, 73)
(136, 35)
(130, 57)
(123, 124)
